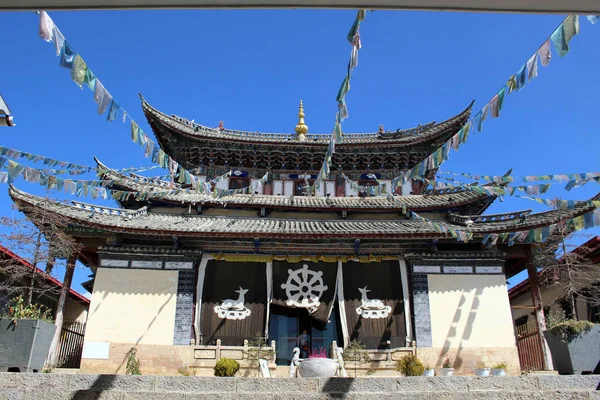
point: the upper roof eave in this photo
(183, 127)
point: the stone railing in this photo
(388, 355)
(237, 353)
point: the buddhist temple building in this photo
(188, 277)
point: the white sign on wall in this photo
(458, 270)
(427, 269)
(488, 270)
(96, 350)
(114, 263)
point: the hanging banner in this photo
(305, 285)
(234, 299)
(374, 306)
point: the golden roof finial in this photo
(301, 129)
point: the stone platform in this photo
(15, 386)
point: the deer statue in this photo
(368, 304)
(238, 304)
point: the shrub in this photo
(186, 371)
(569, 329)
(501, 365)
(226, 367)
(133, 364)
(18, 309)
(410, 365)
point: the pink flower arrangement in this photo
(321, 353)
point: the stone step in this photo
(16, 386)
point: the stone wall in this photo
(119, 387)
(169, 360)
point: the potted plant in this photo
(481, 369)
(499, 369)
(26, 332)
(447, 369)
(428, 371)
(410, 365)
(574, 346)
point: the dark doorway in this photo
(286, 324)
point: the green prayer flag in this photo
(501, 98)
(134, 131)
(343, 89)
(78, 71)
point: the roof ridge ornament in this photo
(301, 128)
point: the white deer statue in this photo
(372, 308)
(233, 309)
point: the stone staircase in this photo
(17, 386)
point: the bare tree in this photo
(567, 264)
(39, 239)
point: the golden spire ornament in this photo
(301, 129)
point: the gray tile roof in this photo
(135, 183)
(196, 131)
(142, 222)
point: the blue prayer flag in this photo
(67, 55)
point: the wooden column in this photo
(536, 295)
(60, 308)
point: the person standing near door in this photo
(304, 344)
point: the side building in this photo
(188, 278)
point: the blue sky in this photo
(250, 69)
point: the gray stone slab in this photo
(232, 396)
(348, 385)
(64, 394)
(194, 384)
(277, 385)
(11, 379)
(389, 396)
(509, 383)
(153, 396)
(13, 394)
(123, 383)
(499, 395)
(569, 382)
(551, 395)
(435, 384)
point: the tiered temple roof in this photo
(83, 216)
(193, 145)
(164, 193)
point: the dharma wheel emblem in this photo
(304, 288)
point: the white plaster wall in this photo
(288, 188)
(330, 188)
(469, 311)
(407, 188)
(277, 188)
(132, 306)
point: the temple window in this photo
(238, 183)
